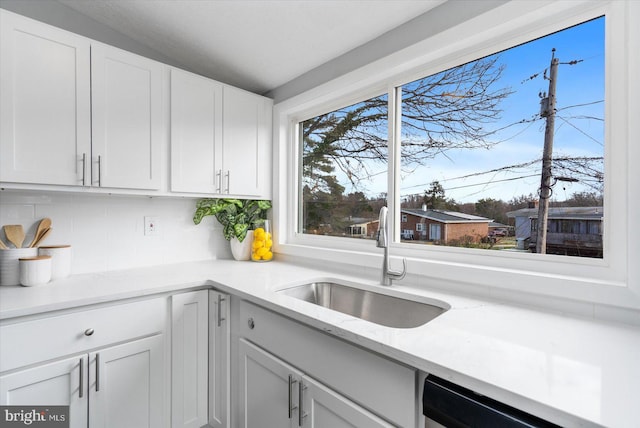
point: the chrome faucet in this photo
(388, 275)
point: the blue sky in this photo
(575, 135)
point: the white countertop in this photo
(571, 371)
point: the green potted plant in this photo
(238, 218)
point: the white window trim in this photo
(612, 281)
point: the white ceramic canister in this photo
(10, 265)
(35, 270)
(60, 259)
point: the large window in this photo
(510, 139)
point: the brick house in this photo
(442, 226)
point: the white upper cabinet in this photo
(220, 138)
(196, 133)
(45, 122)
(246, 152)
(76, 112)
(126, 118)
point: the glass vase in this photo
(261, 250)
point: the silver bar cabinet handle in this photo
(219, 181)
(97, 372)
(81, 389)
(291, 407)
(228, 175)
(84, 169)
(99, 171)
(220, 300)
(301, 413)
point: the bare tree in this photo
(450, 110)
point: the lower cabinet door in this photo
(219, 360)
(189, 359)
(268, 389)
(275, 394)
(60, 383)
(324, 408)
(126, 384)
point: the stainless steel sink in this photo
(368, 305)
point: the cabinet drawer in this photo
(385, 387)
(29, 342)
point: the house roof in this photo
(496, 224)
(446, 216)
(568, 213)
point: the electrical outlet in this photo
(151, 226)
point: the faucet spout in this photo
(388, 275)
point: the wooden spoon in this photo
(42, 236)
(44, 224)
(3, 245)
(15, 234)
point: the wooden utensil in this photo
(3, 245)
(42, 236)
(44, 224)
(15, 234)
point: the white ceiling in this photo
(255, 44)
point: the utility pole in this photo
(548, 111)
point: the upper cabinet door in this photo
(196, 133)
(246, 152)
(126, 119)
(44, 109)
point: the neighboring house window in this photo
(420, 227)
(403, 218)
(434, 232)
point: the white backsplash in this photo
(106, 232)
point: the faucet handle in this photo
(397, 275)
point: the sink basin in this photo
(367, 305)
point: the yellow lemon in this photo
(268, 235)
(257, 244)
(268, 243)
(258, 233)
(267, 256)
(261, 251)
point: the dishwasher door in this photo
(445, 404)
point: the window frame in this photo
(613, 280)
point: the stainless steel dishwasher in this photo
(445, 404)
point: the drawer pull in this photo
(81, 389)
(88, 332)
(251, 323)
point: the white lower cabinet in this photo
(275, 394)
(60, 383)
(189, 359)
(325, 408)
(126, 385)
(120, 386)
(291, 375)
(200, 377)
(219, 360)
(107, 364)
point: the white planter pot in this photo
(242, 250)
